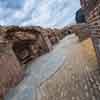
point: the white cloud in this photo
(24, 12)
(41, 12)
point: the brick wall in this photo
(30, 42)
(92, 9)
(26, 43)
(10, 71)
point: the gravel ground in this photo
(78, 78)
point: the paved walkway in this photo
(78, 78)
(41, 69)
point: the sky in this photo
(46, 13)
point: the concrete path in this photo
(41, 69)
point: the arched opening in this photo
(23, 50)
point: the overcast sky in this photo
(47, 13)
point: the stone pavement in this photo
(40, 70)
(78, 79)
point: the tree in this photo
(80, 16)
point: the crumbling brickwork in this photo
(10, 70)
(30, 42)
(27, 43)
(23, 45)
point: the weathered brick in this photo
(10, 70)
(92, 9)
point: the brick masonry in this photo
(18, 46)
(10, 71)
(31, 42)
(92, 10)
